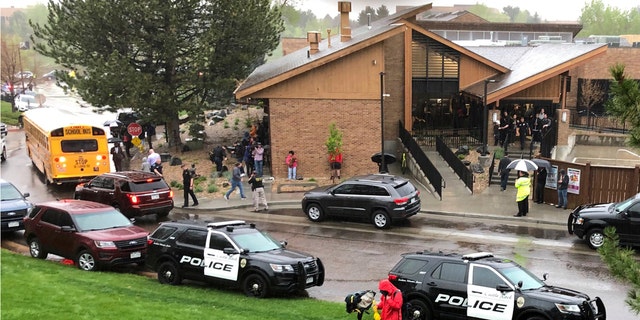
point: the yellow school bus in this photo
(65, 147)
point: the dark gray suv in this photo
(379, 198)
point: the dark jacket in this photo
(256, 182)
(502, 165)
(541, 177)
(390, 306)
(563, 182)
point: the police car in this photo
(480, 286)
(230, 253)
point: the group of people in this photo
(523, 186)
(517, 125)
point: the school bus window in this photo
(79, 145)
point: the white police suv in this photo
(230, 253)
(480, 286)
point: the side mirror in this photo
(26, 194)
(545, 276)
(230, 251)
(283, 243)
(68, 229)
(503, 288)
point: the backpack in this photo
(359, 301)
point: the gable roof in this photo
(300, 61)
(530, 65)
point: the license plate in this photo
(155, 196)
(14, 224)
(309, 280)
(136, 254)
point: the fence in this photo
(421, 159)
(455, 163)
(452, 137)
(593, 183)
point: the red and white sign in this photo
(134, 129)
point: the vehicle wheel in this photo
(535, 318)
(254, 285)
(86, 261)
(168, 273)
(3, 156)
(381, 220)
(36, 250)
(595, 238)
(314, 212)
(418, 310)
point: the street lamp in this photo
(485, 115)
(382, 164)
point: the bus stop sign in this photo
(134, 129)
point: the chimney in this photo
(313, 37)
(329, 37)
(345, 30)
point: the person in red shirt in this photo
(335, 162)
(390, 306)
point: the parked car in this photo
(379, 198)
(3, 129)
(93, 235)
(26, 102)
(15, 205)
(230, 253)
(23, 75)
(51, 75)
(589, 220)
(3, 143)
(134, 193)
(481, 286)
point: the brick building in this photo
(399, 63)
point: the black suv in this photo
(379, 198)
(479, 286)
(134, 193)
(590, 220)
(230, 253)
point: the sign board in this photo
(134, 129)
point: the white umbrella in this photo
(522, 165)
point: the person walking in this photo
(257, 187)
(236, 182)
(153, 157)
(258, 158)
(292, 165)
(187, 182)
(563, 184)
(504, 172)
(523, 186)
(541, 179)
(118, 155)
(146, 167)
(390, 306)
(157, 167)
(523, 131)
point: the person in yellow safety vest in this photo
(523, 185)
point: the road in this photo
(357, 256)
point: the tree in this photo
(160, 58)
(363, 17)
(334, 141)
(623, 265)
(590, 94)
(599, 19)
(511, 12)
(624, 101)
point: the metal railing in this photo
(455, 163)
(421, 159)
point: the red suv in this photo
(134, 193)
(92, 234)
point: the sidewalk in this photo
(491, 204)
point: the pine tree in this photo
(624, 103)
(622, 264)
(160, 58)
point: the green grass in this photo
(6, 115)
(33, 289)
